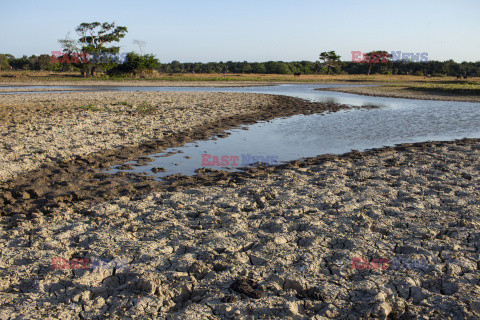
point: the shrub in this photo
(136, 64)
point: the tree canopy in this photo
(377, 57)
(95, 40)
(330, 59)
(136, 64)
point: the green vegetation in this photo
(432, 68)
(136, 64)
(42, 62)
(94, 40)
(331, 60)
(4, 65)
(446, 88)
(378, 58)
(90, 107)
(377, 63)
(145, 107)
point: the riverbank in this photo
(4, 86)
(60, 126)
(406, 93)
(407, 87)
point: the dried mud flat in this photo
(274, 242)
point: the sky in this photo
(247, 30)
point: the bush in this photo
(4, 62)
(136, 64)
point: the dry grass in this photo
(8, 76)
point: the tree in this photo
(277, 67)
(259, 68)
(19, 63)
(45, 62)
(94, 40)
(330, 59)
(376, 57)
(136, 64)
(72, 54)
(4, 65)
(176, 66)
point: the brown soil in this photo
(405, 93)
(80, 179)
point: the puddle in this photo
(302, 136)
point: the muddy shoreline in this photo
(55, 126)
(75, 180)
(404, 93)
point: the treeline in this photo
(433, 68)
(41, 62)
(132, 62)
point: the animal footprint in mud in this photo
(247, 287)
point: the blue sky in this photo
(261, 30)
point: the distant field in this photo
(7, 76)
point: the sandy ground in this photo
(403, 92)
(385, 234)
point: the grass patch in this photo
(92, 107)
(220, 77)
(89, 107)
(145, 107)
(450, 87)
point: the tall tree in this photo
(330, 59)
(375, 58)
(4, 62)
(95, 39)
